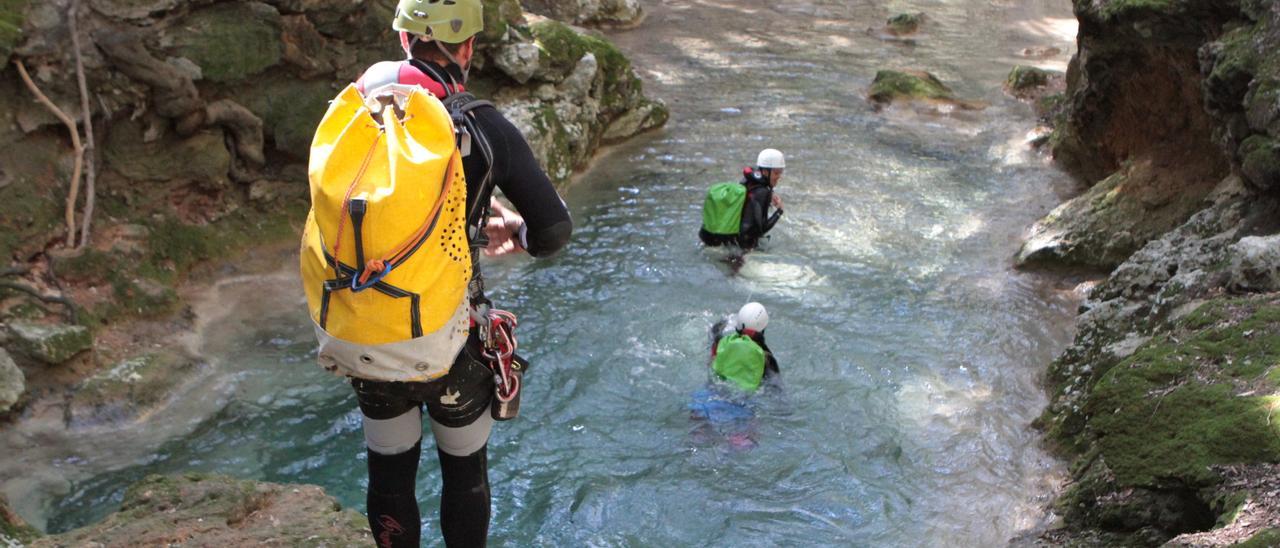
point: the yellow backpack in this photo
(385, 259)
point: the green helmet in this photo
(450, 21)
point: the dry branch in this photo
(75, 143)
(91, 170)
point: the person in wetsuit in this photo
(750, 323)
(440, 43)
(756, 219)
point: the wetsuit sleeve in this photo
(773, 220)
(753, 220)
(517, 173)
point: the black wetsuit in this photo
(756, 221)
(468, 387)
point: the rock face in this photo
(129, 389)
(197, 100)
(1165, 399)
(221, 511)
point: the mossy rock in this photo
(130, 388)
(13, 13)
(561, 48)
(1267, 538)
(1260, 161)
(892, 85)
(202, 157)
(230, 41)
(1025, 78)
(904, 23)
(499, 15)
(1168, 413)
(290, 110)
(1117, 9)
(37, 169)
(50, 343)
(208, 510)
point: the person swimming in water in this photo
(741, 363)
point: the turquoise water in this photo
(910, 351)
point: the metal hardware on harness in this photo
(498, 339)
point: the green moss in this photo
(50, 343)
(1266, 538)
(498, 16)
(231, 41)
(1024, 77)
(1260, 159)
(202, 157)
(31, 205)
(561, 47)
(890, 85)
(12, 16)
(1165, 414)
(905, 23)
(1115, 9)
(290, 110)
(1228, 507)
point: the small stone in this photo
(12, 382)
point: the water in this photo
(909, 350)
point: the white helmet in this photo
(753, 316)
(771, 158)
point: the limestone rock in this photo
(1255, 263)
(130, 389)
(1110, 221)
(202, 510)
(519, 60)
(50, 343)
(12, 382)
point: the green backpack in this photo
(740, 361)
(722, 210)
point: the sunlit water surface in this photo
(910, 351)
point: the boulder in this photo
(1111, 220)
(1255, 263)
(50, 343)
(12, 382)
(892, 85)
(200, 510)
(904, 23)
(1023, 79)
